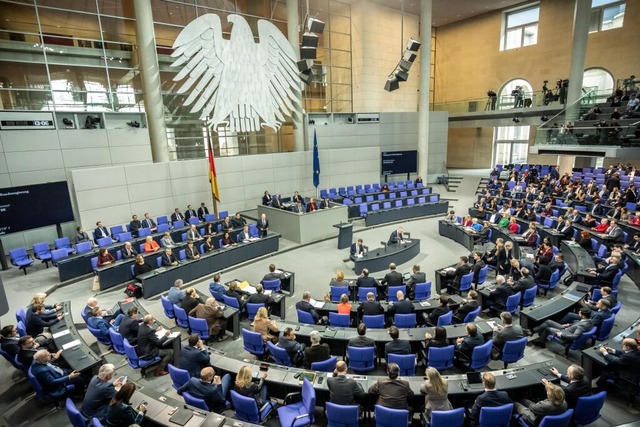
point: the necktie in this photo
(56, 368)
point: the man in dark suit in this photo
(578, 384)
(396, 236)
(468, 305)
(601, 313)
(357, 248)
(263, 225)
(505, 332)
(326, 203)
(498, 296)
(343, 390)
(305, 305)
(191, 251)
(99, 393)
(392, 392)
(478, 264)
(396, 345)
(190, 213)
(567, 333)
(53, 379)
(295, 350)
(615, 232)
(277, 203)
(465, 345)
(36, 320)
(567, 229)
(99, 232)
(525, 282)
(442, 308)
(168, 258)
(150, 346)
(417, 276)
(490, 398)
(130, 325)
(392, 278)
(193, 233)
(128, 251)
(28, 347)
(365, 281)
(453, 278)
(361, 340)
(273, 274)
(402, 306)
(605, 274)
(10, 339)
(202, 211)
(260, 298)
(370, 307)
(177, 215)
(312, 206)
(135, 225)
(297, 198)
(149, 223)
(607, 295)
(194, 357)
(623, 364)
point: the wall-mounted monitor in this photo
(399, 162)
(34, 206)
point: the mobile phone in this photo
(124, 380)
(296, 376)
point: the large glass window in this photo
(598, 79)
(516, 93)
(521, 28)
(511, 144)
(606, 14)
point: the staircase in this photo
(482, 185)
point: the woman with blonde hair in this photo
(554, 404)
(339, 279)
(246, 386)
(343, 306)
(49, 310)
(435, 391)
(268, 328)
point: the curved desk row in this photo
(76, 352)
(419, 307)
(379, 259)
(383, 216)
(633, 272)
(80, 264)
(578, 259)
(457, 233)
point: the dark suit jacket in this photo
(10, 345)
(401, 307)
(469, 343)
(312, 207)
(608, 273)
(437, 312)
(357, 249)
(501, 293)
(394, 394)
(148, 343)
(361, 341)
(366, 282)
(191, 252)
(266, 199)
(277, 203)
(96, 235)
(202, 211)
(370, 308)
(129, 329)
(418, 277)
(466, 309)
(479, 265)
(523, 284)
(392, 278)
(53, 384)
(305, 306)
(397, 347)
(177, 217)
(190, 213)
(167, 260)
(193, 359)
(316, 353)
(490, 399)
(574, 390)
(134, 226)
(626, 364)
(510, 333)
(394, 238)
(344, 391)
(460, 271)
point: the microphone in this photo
(384, 245)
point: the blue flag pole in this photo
(316, 162)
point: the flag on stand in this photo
(213, 179)
(316, 161)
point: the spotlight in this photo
(402, 75)
(315, 25)
(307, 52)
(391, 84)
(305, 76)
(413, 45)
(304, 65)
(133, 124)
(67, 122)
(310, 39)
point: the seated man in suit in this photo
(317, 352)
(295, 350)
(365, 281)
(417, 276)
(392, 278)
(128, 251)
(238, 221)
(326, 203)
(53, 379)
(194, 357)
(177, 215)
(10, 337)
(202, 211)
(343, 390)
(392, 392)
(192, 251)
(526, 281)
(615, 232)
(36, 321)
(370, 307)
(443, 308)
(245, 235)
(149, 223)
(578, 384)
(168, 258)
(100, 392)
(468, 305)
(357, 248)
(621, 364)
(454, 277)
(402, 306)
(28, 347)
(601, 313)
(273, 274)
(266, 198)
(604, 275)
(193, 234)
(305, 305)
(226, 225)
(490, 398)
(361, 340)
(465, 345)
(260, 298)
(503, 333)
(96, 321)
(567, 332)
(498, 296)
(277, 203)
(607, 295)
(396, 237)
(129, 326)
(209, 387)
(150, 346)
(190, 213)
(534, 412)
(99, 232)
(396, 345)
(312, 206)
(135, 225)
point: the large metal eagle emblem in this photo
(239, 83)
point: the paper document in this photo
(163, 331)
(491, 323)
(60, 334)
(71, 344)
(425, 304)
(316, 304)
(268, 292)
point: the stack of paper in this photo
(71, 344)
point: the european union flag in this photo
(316, 161)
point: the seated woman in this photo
(141, 266)
(207, 245)
(435, 391)
(585, 241)
(246, 386)
(167, 241)
(120, 413)
(227, 240)
(208, 230)
(547, 211)
(339, 279)
(437, 341)
(150, 245)
(344, 307)
(466, 221)
(554, 404)
(513, 225)
(233, 292)
(530, 236)
(544, 254)
(268, 328)
(504, 221)
(104, 257)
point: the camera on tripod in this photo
(562, 83)
(491, 94)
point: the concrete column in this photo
(581, 22)
(565, 164)
(294, 40)
(425, 82)
(150, 73)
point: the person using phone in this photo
(100, 392)
(246, 386)
(209, 387)
(120, 413)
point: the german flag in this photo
(213, 179)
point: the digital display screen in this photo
(399, 162)
(34, 206)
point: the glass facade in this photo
(81, 55)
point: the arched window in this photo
(514, 94)
(599, 79)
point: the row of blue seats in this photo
(368, 188)
(386, 196)
(364, 207)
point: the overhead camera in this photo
(133, 124)
(67, 122)
(91, 122)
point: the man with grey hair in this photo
(53, 379)
(306, 306)
(107, 315)
(150, 346)
(316, 352)
(100, 392)
(502, 291)
(176, 294)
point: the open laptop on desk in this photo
(474, 381)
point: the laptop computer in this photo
(474, 381)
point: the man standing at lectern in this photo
(358, 248)
(396, 236)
